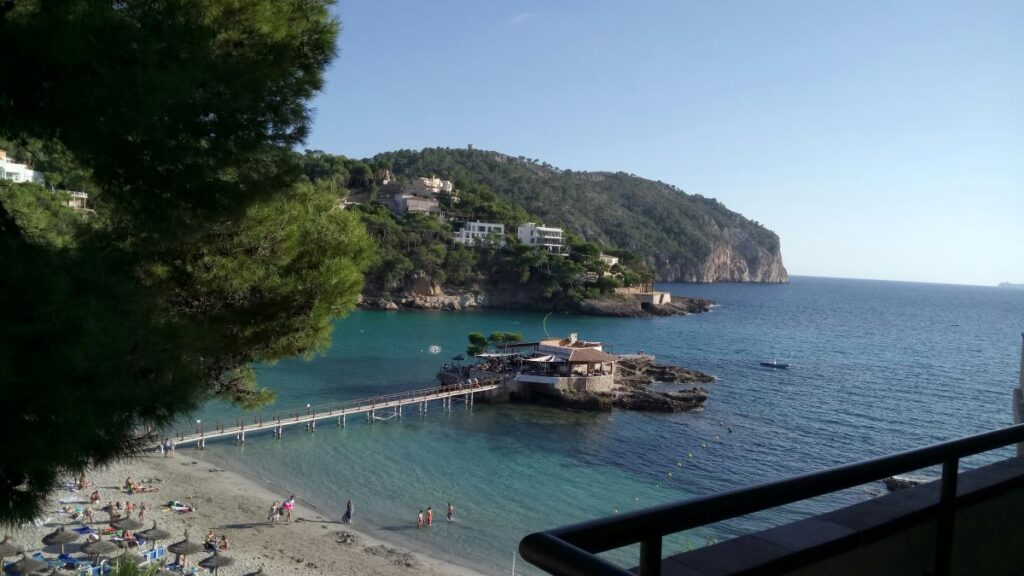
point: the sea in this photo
(877, 367)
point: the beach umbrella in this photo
(154, 534)
(185, 547)
(98, 547)
(60, 537)
(27, 565)
(8, 548)
(259, 572)
(126, 523)
(215, 562)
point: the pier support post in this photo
(242, 436)
(342, 420)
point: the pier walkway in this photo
(375, 408)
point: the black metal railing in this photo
(571, 550)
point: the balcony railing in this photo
(571, 550)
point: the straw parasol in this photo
(98, 547)
(154, 534)
(126, 523)
(215, 562)
(259, 572)
(8, 548)
(27, 565)
(60, 537)
(185, 547)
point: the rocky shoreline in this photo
(614, 305)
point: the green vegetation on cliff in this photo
(683, 236)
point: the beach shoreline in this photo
(236, 504)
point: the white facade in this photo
(481, 233)
(609, 260)
(436, 185)
(550, 239)
(78, 200)
(16, 172)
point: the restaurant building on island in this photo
(567, 364)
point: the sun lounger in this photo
(51, 562)
(84, 530)
(71, 561)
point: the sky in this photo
(878, 139)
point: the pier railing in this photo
(328, 409)
(572, 550)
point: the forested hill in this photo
(686, 237)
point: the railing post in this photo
(947, 518)
(650, 557)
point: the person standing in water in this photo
(419, 520)
(430, 516)
(451, 511)
(347, 518)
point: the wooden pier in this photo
(384, 407)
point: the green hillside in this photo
(683, 236)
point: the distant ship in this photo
(774, 364)
(1011, 285)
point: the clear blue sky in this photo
(878, 139)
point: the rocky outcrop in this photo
(641, 371)
(651, 401)
(736, 257)
(625, 305)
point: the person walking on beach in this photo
(288, 506)
(430, 516)
(347, 518)
(419, 520)
(142, 511)
(275, 514)
(451, 511)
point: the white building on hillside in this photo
(481, 233)
(609, 261)
(10, 170)
(435, 185)
(550, 239)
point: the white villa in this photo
(78, 200)
(435, 185)
(481, 233)
(609, 261)
(10, 170)
(550, 239)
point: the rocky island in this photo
(576, 374)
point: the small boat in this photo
(774, 364)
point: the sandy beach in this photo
(232, 505)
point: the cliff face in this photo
(685, 237)
(733, 259)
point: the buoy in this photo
(690, 455)
(657, 485)
(616, 510)
(637, 498)
(680, 464)
(435, 349)
(717, 437)
(669, 474)
(703, 444)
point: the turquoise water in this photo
(877, 367)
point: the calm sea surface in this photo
(877, 367)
